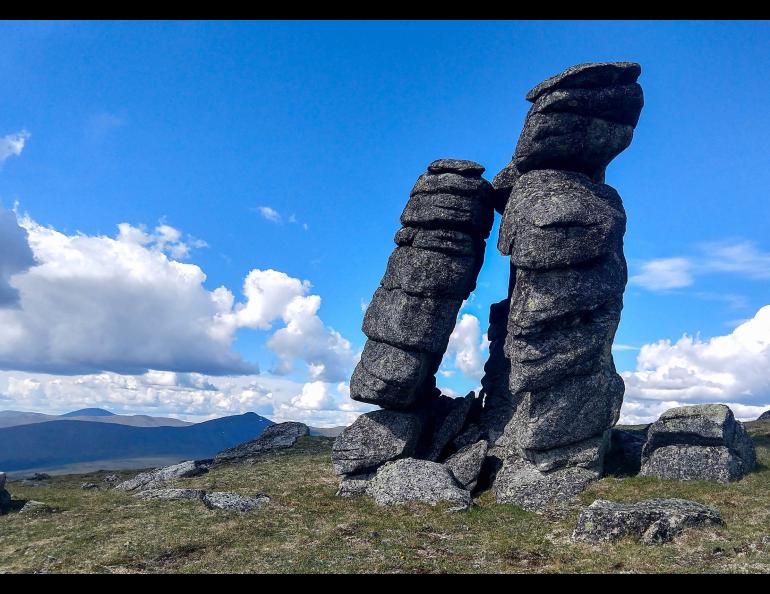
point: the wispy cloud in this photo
(742, 258)
(11, 145)
(664, 274)
(269, 214)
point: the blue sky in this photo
(199, 128)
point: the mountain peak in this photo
(89, 412)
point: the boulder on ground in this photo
(520, 482)
(156, 478)
(5, 501)
(374, 438)
(170, 494)
(409, 479)
(651, 521)
(89, 486)
(38, 476)
(234, 502)
(35, 507)
(702, 442)
(453, 413)
(354, 485)
(275, 437)
(465, 464)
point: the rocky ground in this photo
(305, 528)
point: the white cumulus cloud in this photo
(664, 274)
(467, 347)
(730, 369)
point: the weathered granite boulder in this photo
(89, 486)
(234, 502)
(579, 121)
(38, 476)
(702, 442)
(651, 521)
(354, 485)
(465, 464)
(158, 477)
(170, 495)
(409, 479)
(275, 437)
(32, 507)
(374, 438)
(519, 482)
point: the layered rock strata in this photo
(563, 230)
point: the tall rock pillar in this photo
(563, 230)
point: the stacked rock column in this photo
(563, 230)
(440, 250)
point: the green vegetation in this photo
(306, 528)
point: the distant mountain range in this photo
(94, 438)
(62, 442)
(12, 418)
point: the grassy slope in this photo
(307, 529)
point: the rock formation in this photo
(440, 250)
(651, 521)
(702, 442)
(551, 391)
(275, 437)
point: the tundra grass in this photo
(306, 529)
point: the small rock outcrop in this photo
(275, 437)
(408, 479)
(551, 392)
(234, 502)
(701, 442)
(35, 507)
(89, 486)
(158, 477)
(5, 496)
(651, 521)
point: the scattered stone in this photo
(35, 507)
(156, 478)
(89, 486)
(374, 438)
(465, 464)
(409, 479)
(170, 494)
(111, 478)
(354, 485)
(651, 521)
(701, 442)
(275, 437)
(234, 502)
